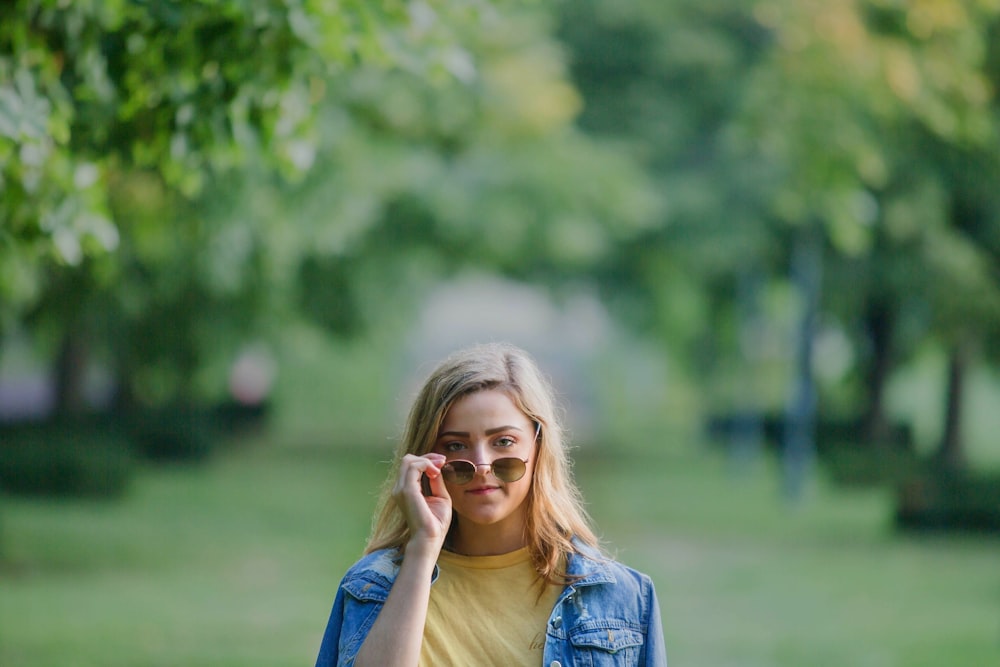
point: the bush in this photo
(841, 448)
(175, 433)
(952, 500)
(94, 455)
(853, 466)
(230, 417)
(80, 457)
(832, 434)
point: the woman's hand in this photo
(428, 517)
(396, 636)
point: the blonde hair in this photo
(555, 508)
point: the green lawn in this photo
(236, 563)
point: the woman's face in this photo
(481, 428)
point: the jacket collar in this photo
(587, 567)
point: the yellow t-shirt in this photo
(485, 610)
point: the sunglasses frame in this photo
(475, 469)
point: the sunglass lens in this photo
(509, 470)
(458, 472)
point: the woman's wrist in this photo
(422, 548)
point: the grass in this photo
(236, 563)
(746, 581)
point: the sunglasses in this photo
(461, 471)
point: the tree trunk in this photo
(70, 371)
(880, 320)
(748, 431)
(800, 414)
(951, 450)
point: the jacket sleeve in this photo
(656, 651)
(330, 647)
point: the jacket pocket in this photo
(606, 643)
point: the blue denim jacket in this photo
(609, 616)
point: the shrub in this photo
(232, 418)
(841, 446)
(80, 457)
(852, 466)
(953, 500)
(175, 433)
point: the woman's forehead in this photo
(486, 409)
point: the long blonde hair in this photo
(555, 508)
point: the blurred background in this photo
(756, 246)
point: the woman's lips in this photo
(483, 490)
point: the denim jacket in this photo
(608, 616)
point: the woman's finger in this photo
(435, 482)
(412, 469)
(429, 515)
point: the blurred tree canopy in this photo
(179, 177)
(100, 96)
(868, 127)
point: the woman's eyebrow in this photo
(498, 429)
(489, 431)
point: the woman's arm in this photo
(656, 652)
(328, 650)
(397, 634)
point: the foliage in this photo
(421, 181)
(79, 457)
(948, 500)
(172, 433)
(93, 94)
(179, 178)
(868, 122)
(411, 175)
(864, 112)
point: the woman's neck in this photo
(492, 540)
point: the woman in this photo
(481, 552)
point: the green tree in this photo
(95, 93)
(852, 121)
(251, 162)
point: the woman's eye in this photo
(453, 446)
(506, 441)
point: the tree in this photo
(93, 94)
(772, 122)
(251, 161)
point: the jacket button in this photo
(557, 623)
(555, 663)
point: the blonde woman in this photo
(481, 553)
